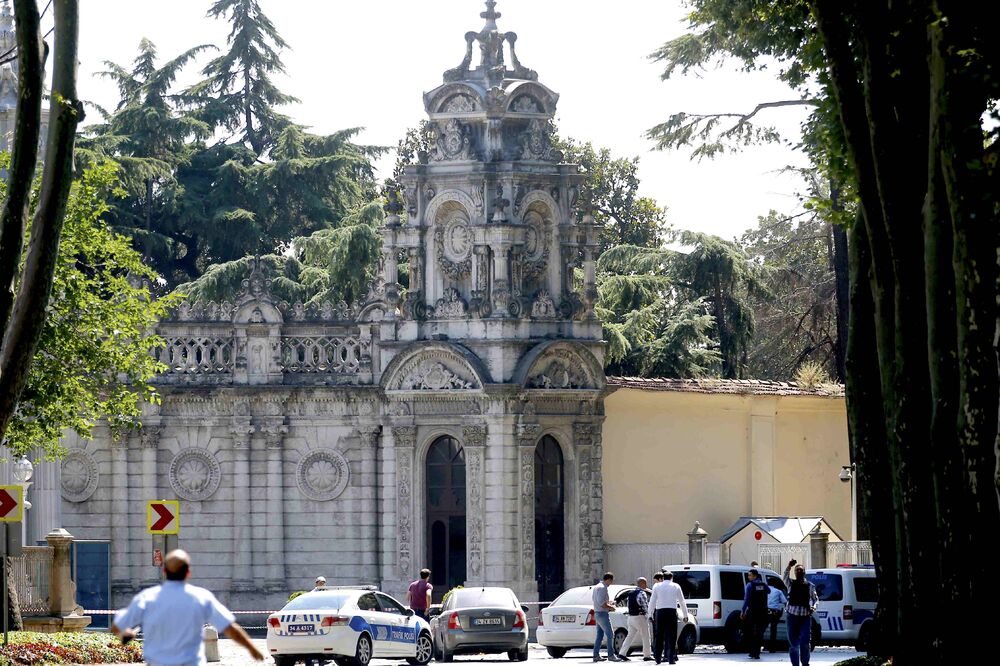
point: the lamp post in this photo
(23, 470)
(847, 476)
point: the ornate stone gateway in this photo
(455, 424)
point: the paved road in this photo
(233, 655)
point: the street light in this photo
(23, 470)
(847, 476)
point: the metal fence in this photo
(776, 555)
(849, 552)
(628, 561)
(31, 572)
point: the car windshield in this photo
(578, 596)
(694, 584)
(829, 587)
(317, 601)
(494, 597)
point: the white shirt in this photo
(172, 616)
(668, 594)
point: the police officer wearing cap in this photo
(754, 613)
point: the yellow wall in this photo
(673, 457)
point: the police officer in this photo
(754, 613)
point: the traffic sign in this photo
(11, 504)
(163, 517)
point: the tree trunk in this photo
(842, 281)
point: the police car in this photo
(848, 596)
(351, 625)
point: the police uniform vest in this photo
(758, 595)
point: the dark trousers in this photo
(421, 613)
(753, 629)
(773, 617)
(665, 635)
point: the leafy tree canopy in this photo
(93, 361)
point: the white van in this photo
(714, 592)
(848, 596)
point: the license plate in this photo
(693, 611)
(564, 618)
(480, 621)
(300, 628)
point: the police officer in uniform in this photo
(754, 614)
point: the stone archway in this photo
(550, 523)
(446, 514)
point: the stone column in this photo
(481, 279)
(405, 439)
(370, 438)
(474, 443)
(62, 589)
(818, 541)
(243, 579)
(275, 580)
(597, 502)
(46, 510)
(697, 545)
(121, 579)
(501, 282)
(149, 439)
(583, 441)
(527, 439)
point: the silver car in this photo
(480, 620)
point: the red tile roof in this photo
(727, 386)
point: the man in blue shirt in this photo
(172, 616)
(755, 612)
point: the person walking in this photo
(638, 621)
(802, 602)
(603, 606)
(667, 598)
(657, 578)
(172, 616)
(418, 597)
(754, 613)
(776, 601)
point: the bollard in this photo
(211, 638)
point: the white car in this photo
(568, 622)
(847, 600)
(350, 625)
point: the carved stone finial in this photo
(491, 15)
(257, 285)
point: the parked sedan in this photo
(569, 622)
(480, 620)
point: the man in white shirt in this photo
(172, 616)
(666, 600)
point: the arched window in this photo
(549, 521)
(445, 469)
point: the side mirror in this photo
(408, 612)
(433, 612)
(525, 609)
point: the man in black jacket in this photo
(638, 620)
(755, 612)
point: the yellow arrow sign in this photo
(11, 504)
(163, 516)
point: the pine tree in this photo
(238, 93)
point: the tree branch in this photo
(25, 327)
(31, 59)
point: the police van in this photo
(848, 596)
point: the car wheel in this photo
(425, 650)
(687, 641)
(734, 634)
(445, 655)
(363, 653)
(518, 655)
(864, 637)
(556, 652)
(620, 636)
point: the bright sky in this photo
(368, 63)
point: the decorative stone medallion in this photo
(322, 474)
(79, 476)
(194, 474)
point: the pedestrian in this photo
(418, 597)
(638, 621)
(603, 606)
(667, 599)
(320, 583)
(802, 602)
(657, 578)
(776, 601)
(754, 564)
(172, 616)
(754, 613)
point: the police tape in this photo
(237, 612)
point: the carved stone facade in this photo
(297, 437)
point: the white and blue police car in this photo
(351, 625)
(848, 596)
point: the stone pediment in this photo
(434, 367)
(560, 366)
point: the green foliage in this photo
(30, 648)
(447, 594)
(611, 192)
(93, 361)
(329, 265)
